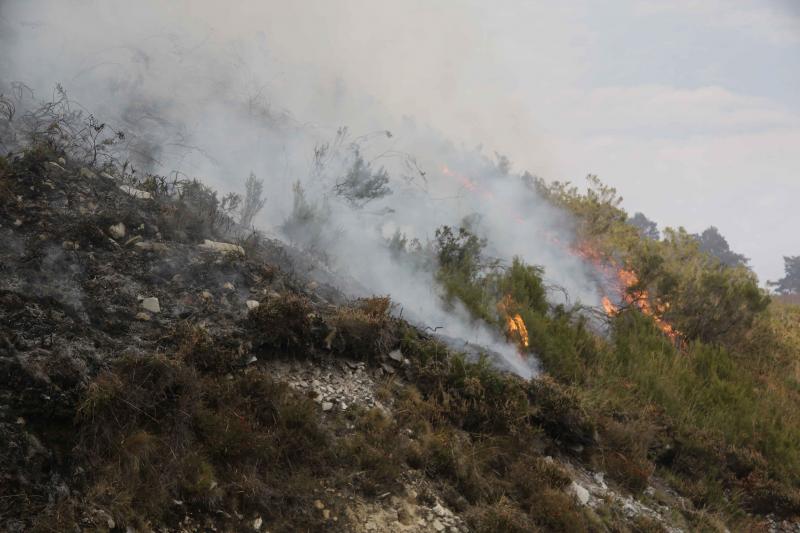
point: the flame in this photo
(515, 326)
(624, 281)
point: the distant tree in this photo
(790, 283)
(647, 228)
(253, 200)
(362, 184)
(713, 243)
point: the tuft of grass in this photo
(363, 330)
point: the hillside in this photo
(166, 369)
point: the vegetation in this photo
(719, 401)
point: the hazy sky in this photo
(690, 108)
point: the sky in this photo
(690, 109)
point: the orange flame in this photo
(625, 282)
(515, 326)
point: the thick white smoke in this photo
(217, 94)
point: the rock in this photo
(252, 360)
(205, 295)
(387, 368)
(62, 161)
(17, 223)
(396, 355)
(142, 316)
(438, 526)
(257, 523)
(581, 494)
(228, 286)
(86, 173)
(151, 304)
(439, 510)
(327, 406)
(319, 505)
(326, 514)
(117, 231)
(147, 246)
(221, 247)
(55, 166)
(252, 304)
(136, 193)
(107, 176)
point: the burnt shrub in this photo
(364, 330)
(282, 325)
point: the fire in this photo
(515, 326)
(625, 282)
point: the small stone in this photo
(106, 175)
(252, 304)
(319, 505)
(17, 223)
(142, 316)
(117, 231)
(151, 304)
(396, 355)
(206, 295)
(327, 406)
(257, 523)
(221, 247)
(136, 193)
(147, 246)
(581, 494)
(326, 514)
(62, 161)
(252, 360)
(387, 368)
(86, 173)
(438, 526)
(343, 406)
(439, 510)
(228, 286)
(55, 166)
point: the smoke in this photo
(257, 87)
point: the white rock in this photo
(252, 304)
(221, 247)
(142, 316)
(327, 406)
(55, 166)
(581, 494)
(151, 304)
(439, 510)
(396, 355)
(86, 173)
(117, 230)
(147, 246)
(136, 193)
(257, 523)
(438, 526)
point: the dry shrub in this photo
(624, 447)
(374, 452)
(197, 348)
(500, 516)
(153, 430)
(282, 325)
(364, 330)
(559, 411)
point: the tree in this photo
(362, 184)
(790, 283)
(253, 200)
(713, 243)
(647, 228)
